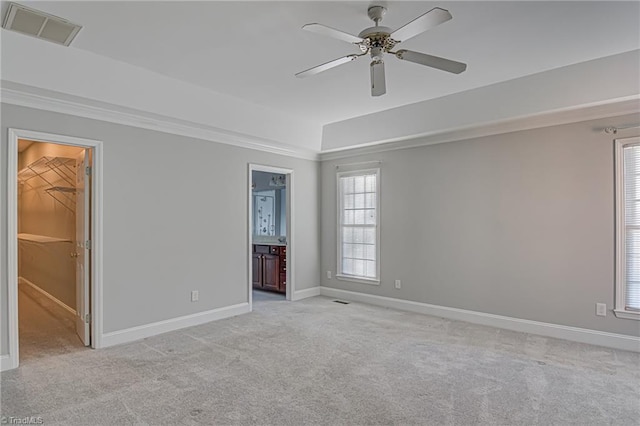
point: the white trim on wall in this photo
(22, 280)
(582, 335)
(148, 330)
(620, 310)
(129, 117)
(616, 107)
(31, 97)
(306, 293)
(12, 251)
(6, 363)
(290, 227)
(12, 233)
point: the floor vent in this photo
(39, 24)
(341, 302)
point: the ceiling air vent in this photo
(39, 24)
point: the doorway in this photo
(53, 245)
(270, 234)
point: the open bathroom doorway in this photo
(270, 234)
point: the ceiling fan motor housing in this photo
(376, 37)
(376, 40)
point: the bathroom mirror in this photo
(269, 206)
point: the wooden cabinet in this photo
(269, 264)
(257, 270)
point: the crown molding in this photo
(31, 97)
(605, 109)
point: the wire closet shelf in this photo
(58, 173)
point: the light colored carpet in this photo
(45, 327)
(320, 362)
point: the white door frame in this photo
(12, 233)
(290, 230)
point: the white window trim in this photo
(620, 310)
(339, 275)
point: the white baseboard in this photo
(7, 363)
(582, 335)
(148, 330)
(307, 292)
(63, 305)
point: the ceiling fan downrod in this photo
(376, 13)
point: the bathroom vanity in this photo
(269, 266)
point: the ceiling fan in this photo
(378, 40)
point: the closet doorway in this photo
(51, 238)
(270, 234)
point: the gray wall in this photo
(520, 224)
(169, 225)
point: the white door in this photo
(82, 251)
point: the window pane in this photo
(633, 185)
(349, 217)
(631, 290)
(370, 201)
(370, 217)
(370, 185)
(359, 217)
(358, 235)
(358, 267)
(347, 185)
(359, 201)
(347, 266)
(347, 235)
(370, 252)
(348, 202)
(633, 295)
(358, 251)
(347, 250)
(359, 183)
(370, 269)
(369, 235)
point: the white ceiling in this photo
(251, 50)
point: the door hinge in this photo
(87, 244)
(87, 318)
(87, 170)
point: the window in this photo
(628, 228)
(358, 229)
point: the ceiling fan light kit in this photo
(378, 40)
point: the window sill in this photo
(357, 280)
(633, 315)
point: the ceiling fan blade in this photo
(432, 18)
(431, 61)
(327, 65)
(378, 84)
(332, 32)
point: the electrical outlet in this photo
(601, 309)
(194, 296)
(329, 275)
(398, 284)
